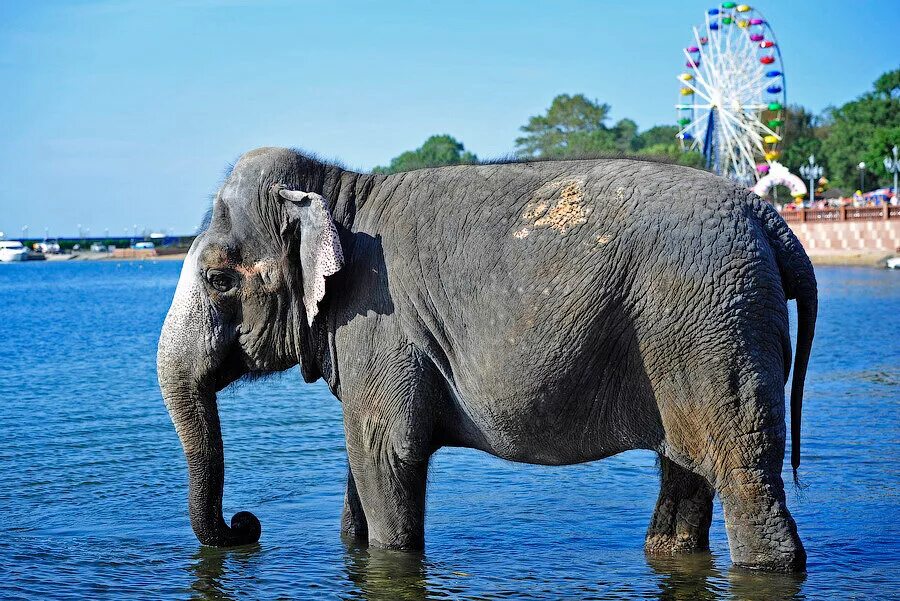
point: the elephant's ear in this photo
(321, 254)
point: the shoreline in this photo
(851, 259)
(89, 256)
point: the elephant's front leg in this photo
(353, 519)
(388, 465)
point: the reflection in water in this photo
(379, 574)
(761, 586)
(690, 576)
(210, 570)
(383, 575)
(695, 576)
(371, 574)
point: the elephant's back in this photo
(528, 207)
(552, 224)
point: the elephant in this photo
(546, 312)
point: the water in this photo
(93, 482)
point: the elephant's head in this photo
(249, 292)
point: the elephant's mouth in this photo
(231, 369)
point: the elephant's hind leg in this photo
(747, 475)
(683, 513)
(761, 532)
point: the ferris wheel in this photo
(732, 93)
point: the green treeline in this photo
(863, 130)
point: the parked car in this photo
(48, 247)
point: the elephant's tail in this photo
(799, 281)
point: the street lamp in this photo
(893, 166)
(812, 172)
(862, 175)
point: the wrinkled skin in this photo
(550, 313)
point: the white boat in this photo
(893, 263)
(11, 251)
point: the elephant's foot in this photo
(353, 519)
(762, 534)
(680, 523)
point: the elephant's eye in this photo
(220, 280)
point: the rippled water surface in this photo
(93, 481)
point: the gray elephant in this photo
(544, 312)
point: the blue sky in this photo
(121, 113)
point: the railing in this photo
(882, 213)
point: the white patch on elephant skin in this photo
(620, 193)
(183, 303)
(604, 239)
(184, 321)
(557, 205)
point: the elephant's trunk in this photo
(186, 372)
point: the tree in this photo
(659, 134)
(573, 126)
(803, 133)
(888, 85)
(626, 135)
(437, 151)
(864, 130)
